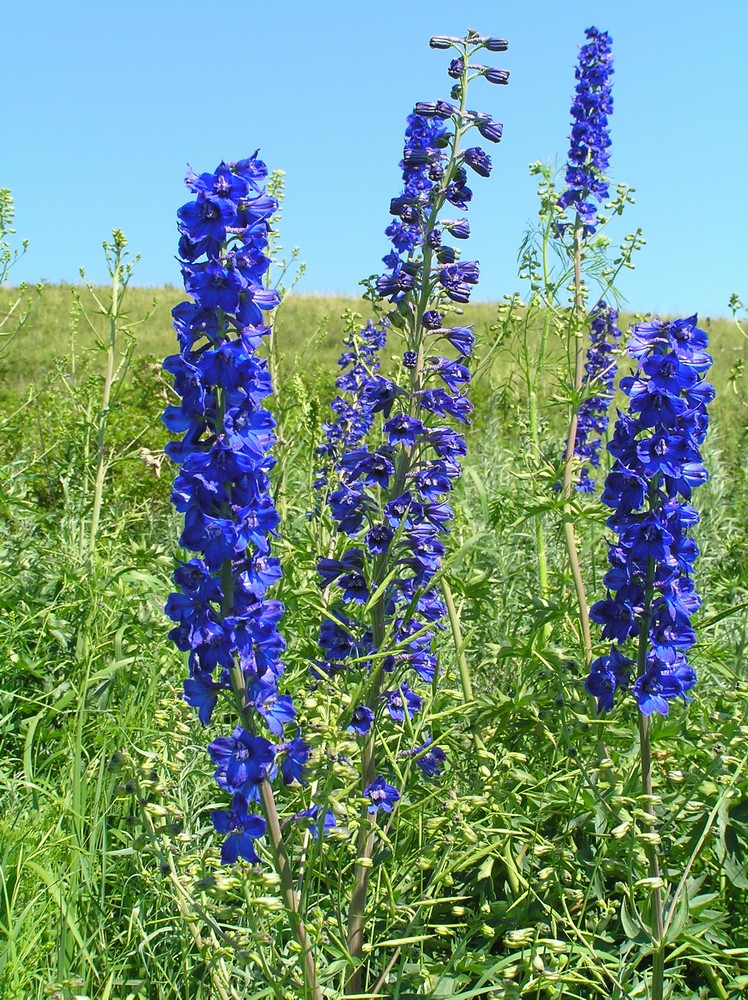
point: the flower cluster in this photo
(656, 446)
(600, 377)
(353, 409)
(224, 619)
(391, 481)
(590, 139)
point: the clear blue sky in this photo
(104, 103)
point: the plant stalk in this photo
(569, 534)
(367, 831)
(104, 412)
(281, 860)
(645, 750)
(656, 907)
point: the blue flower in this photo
(599, 381)
(381, 795)
(590, 138)
(656, 446)
(242, 828)
(241, 758)
(313, 813)
(294, 760)
(362, 720)
(401, 702)
(223, 618)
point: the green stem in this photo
(645, 751)
(656, 907)
(462, 663)
(290, 897)
(540, 548)
(533, 416)
(454, 621)
(104, 412)
(569, 535)
(281, 860)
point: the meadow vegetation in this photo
(528, 868)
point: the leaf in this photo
(632, 924)
(486, 868)
(680, 920)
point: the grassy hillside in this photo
(309, 328)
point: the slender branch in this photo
(656, 908)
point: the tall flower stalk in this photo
(389, 459)
(224, 618)
(586, 185)
(651, 594)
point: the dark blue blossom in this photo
(241, 759)
(242, 829)
(657, 450)
(381, 795)
(313, 813)
(362, 720)
(223, 617)
(599, 382)
(590, 138)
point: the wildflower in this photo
(242, 829)
(590, 139)
(599, 380)
(388, 498)
(223, 617)
(381, 795)
(657, 465)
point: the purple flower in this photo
(362, 720)
(657, 464)
(381, 795)
(242, 829)
(241, 759)
(401, 702)
(223, 618)
(389, 456)
(590, 138)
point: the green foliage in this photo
(520, 873)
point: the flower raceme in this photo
(590, 138)
(390, 457)
(600, 377)
(658, 464)
(223, 617)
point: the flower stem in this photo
(569, 535)
(105, 399)
(656, 908)
(645, 751)
(281, 860)
(462, 663)
(290, 897)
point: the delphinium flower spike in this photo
(599, 379)
(224, 618)
(651, 594)
(658, 464)
(590, 138)
(587, 185)
(391, 456)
